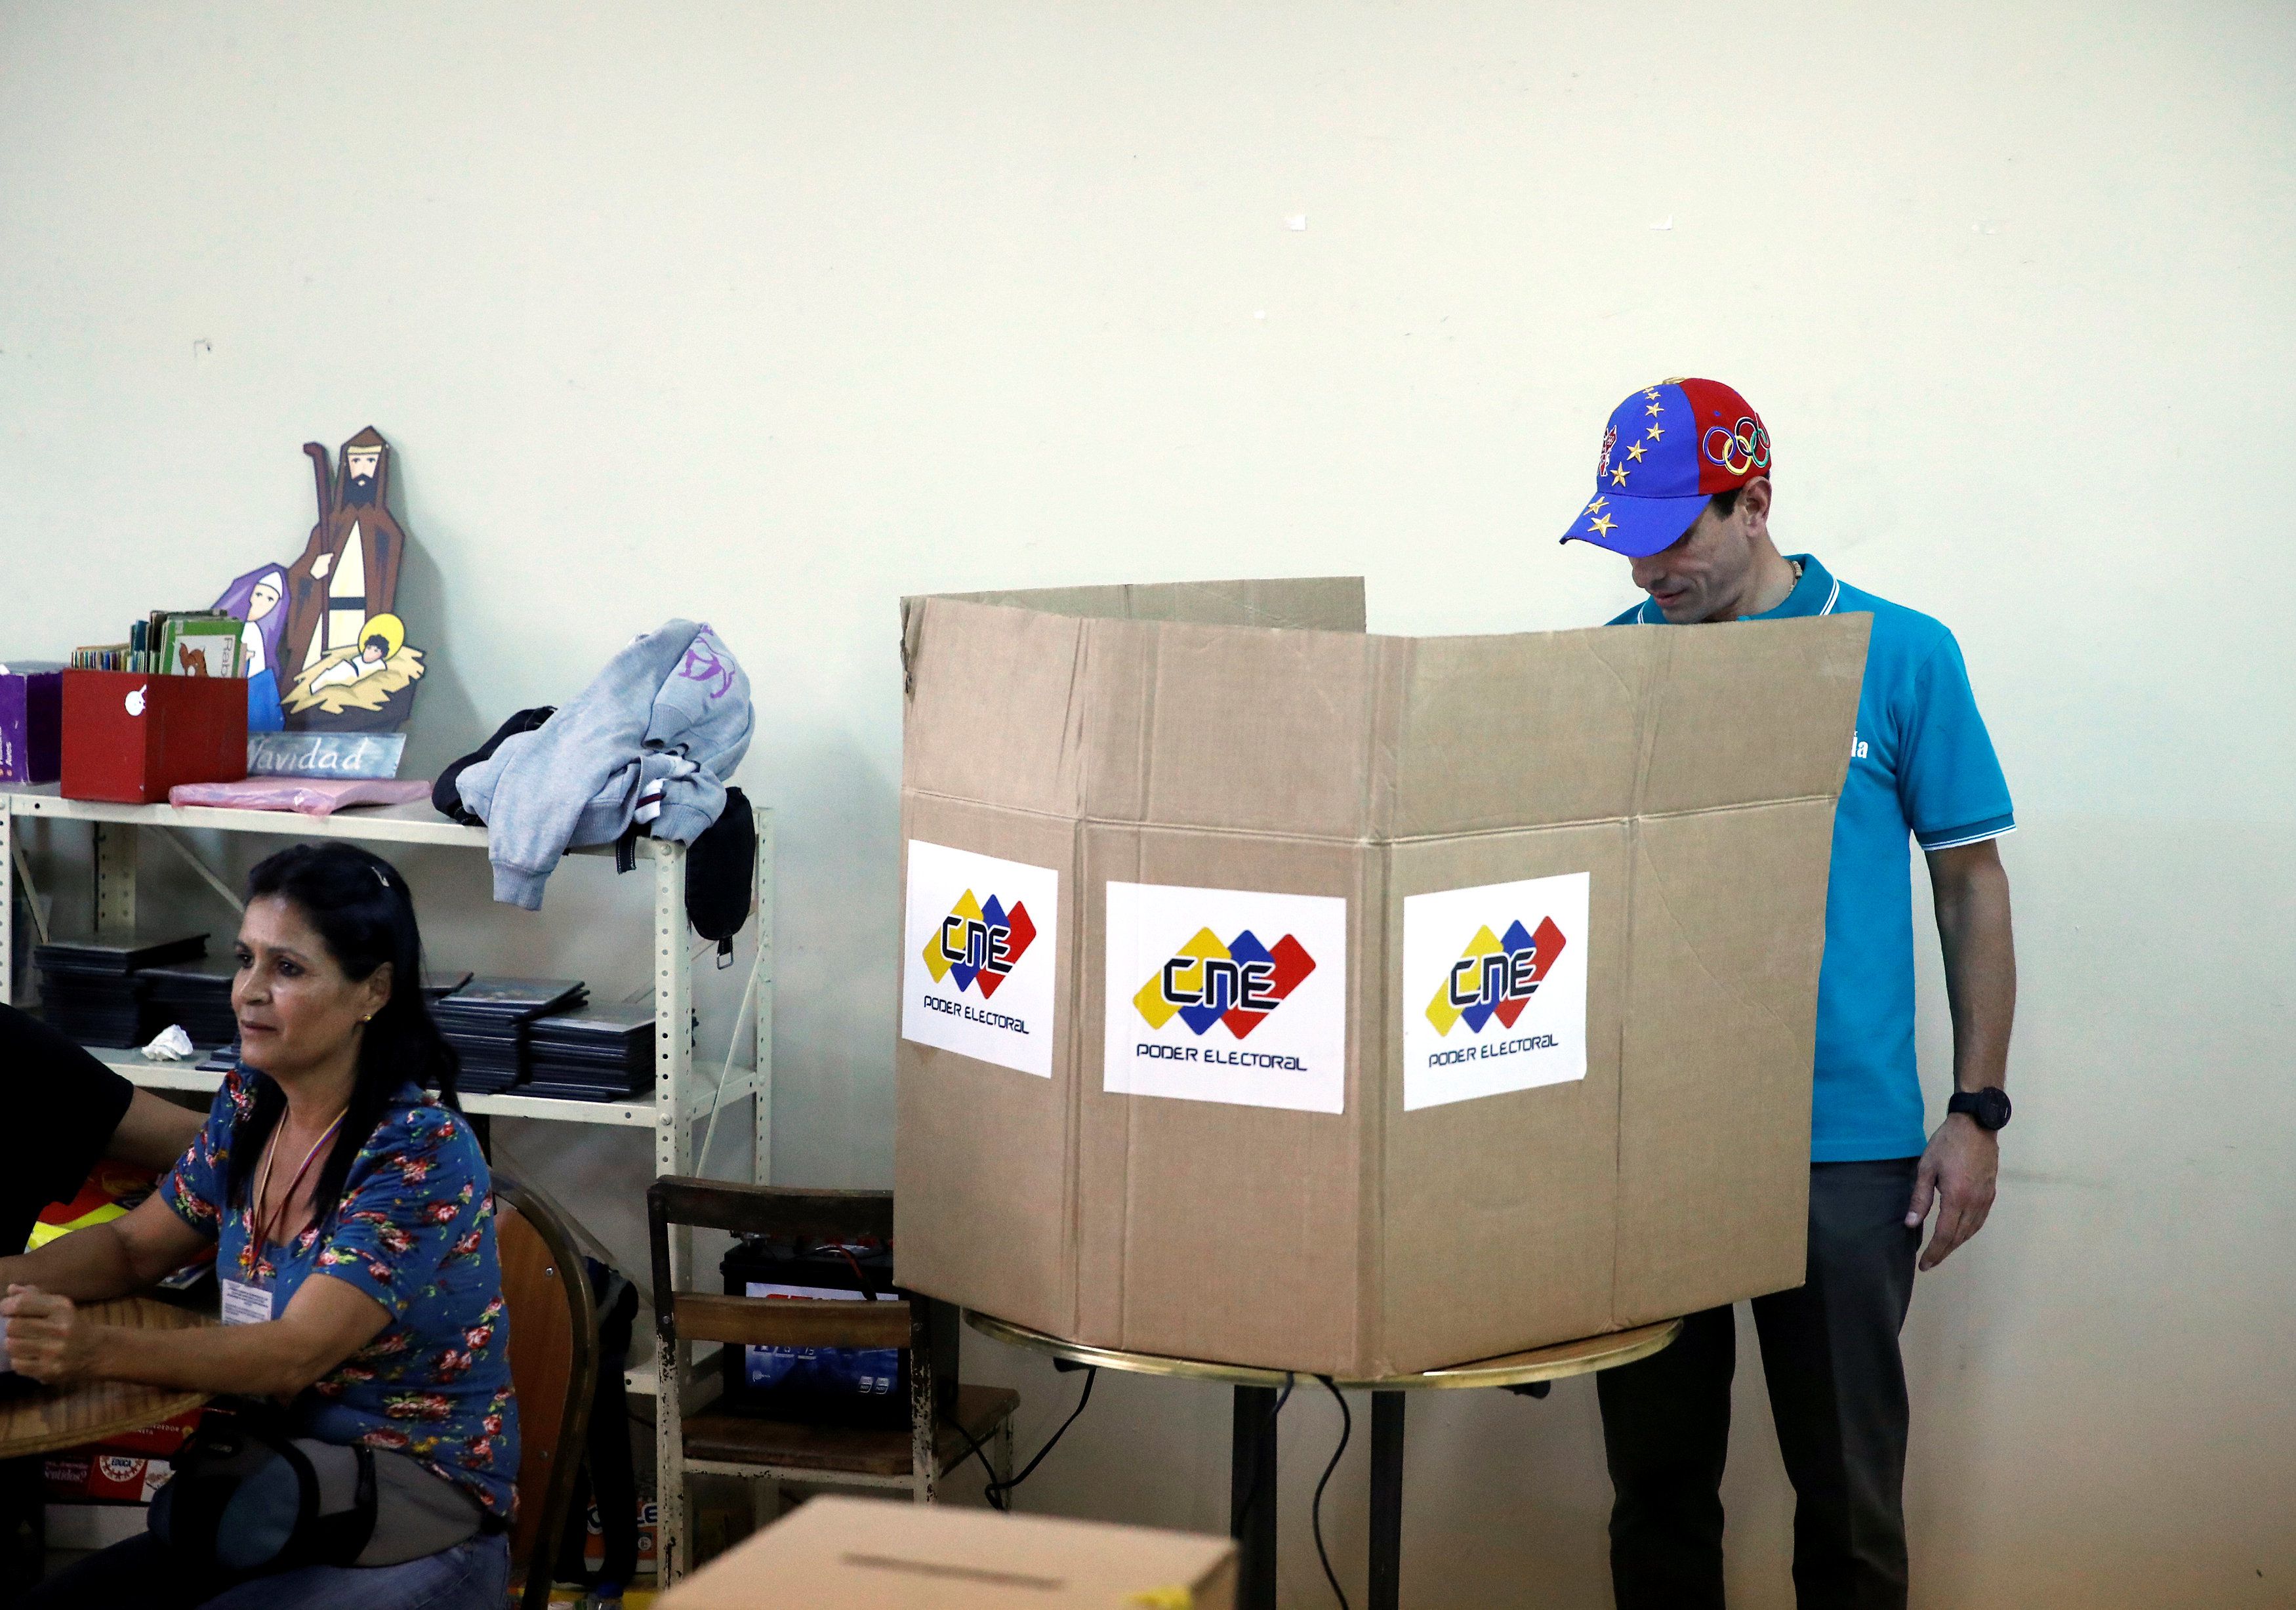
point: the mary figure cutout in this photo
(258, 599)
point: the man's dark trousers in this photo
(1838, 1396)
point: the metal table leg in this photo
(1386, 1498)
(1252, 1497)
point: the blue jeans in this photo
(474, 1575)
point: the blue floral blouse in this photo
(415, 1231)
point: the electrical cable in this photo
(999, 1493)
(1347, 1425)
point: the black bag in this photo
(446, 792)
(247, 1499)
(721, 874)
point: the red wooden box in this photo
(130, 737)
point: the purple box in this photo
(32, 721)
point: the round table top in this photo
(1553, 1363)
(48, 1418)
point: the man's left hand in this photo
(48, 1338)
(1956, 1176)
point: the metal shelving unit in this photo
(679, 1099)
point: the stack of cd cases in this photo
(92, 989)
(486, 1021)
(596, 1053)
(195, 995)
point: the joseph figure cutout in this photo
(350, 567)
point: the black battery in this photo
(828, 1386)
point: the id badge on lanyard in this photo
(245, 1304)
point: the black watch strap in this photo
(1990, 1106)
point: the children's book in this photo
(203, 643)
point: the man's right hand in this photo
(1956, 1175)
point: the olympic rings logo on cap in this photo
(1742, 448)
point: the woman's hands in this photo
(49, 1339)
(325, 1322)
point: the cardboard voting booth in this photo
(1283, 995)
(859, 1554)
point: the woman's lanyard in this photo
(260, 1228)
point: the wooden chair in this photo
(553, 1364)
(739, 1445)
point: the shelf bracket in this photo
(191, 859)
(31, 889)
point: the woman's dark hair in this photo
(363, 913)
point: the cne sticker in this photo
(978, 973)
(1227, 995)
(1494, 989)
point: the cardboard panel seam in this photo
(1372, 841)
(1654, 670)
(1618, 1094)
(913, 792)
(1374, 878)
(1717, 810)
(1072, 1127)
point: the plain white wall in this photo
(770, 314)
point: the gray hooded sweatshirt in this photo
(651, 740)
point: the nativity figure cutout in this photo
(324, 650)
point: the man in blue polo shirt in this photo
(1683, 491)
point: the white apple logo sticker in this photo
(136, 702)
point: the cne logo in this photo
(1495, 977)
(1238, 983)
(978, 945)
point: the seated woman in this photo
(353, 1221)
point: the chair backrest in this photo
(776, 1211)
(554, 1365)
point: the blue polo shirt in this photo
(1922, 767)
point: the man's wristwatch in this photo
(1990, 1106)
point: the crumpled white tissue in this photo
(173, 1045)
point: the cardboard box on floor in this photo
(1283, 995)
(862, 1554)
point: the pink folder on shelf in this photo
(309, 796)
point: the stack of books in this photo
(485, 1020)
(596, 1053)
(196, 995)
(178, 643)
(91, 988)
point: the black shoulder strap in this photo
(339, 1539)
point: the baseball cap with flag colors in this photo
(1669, 448)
